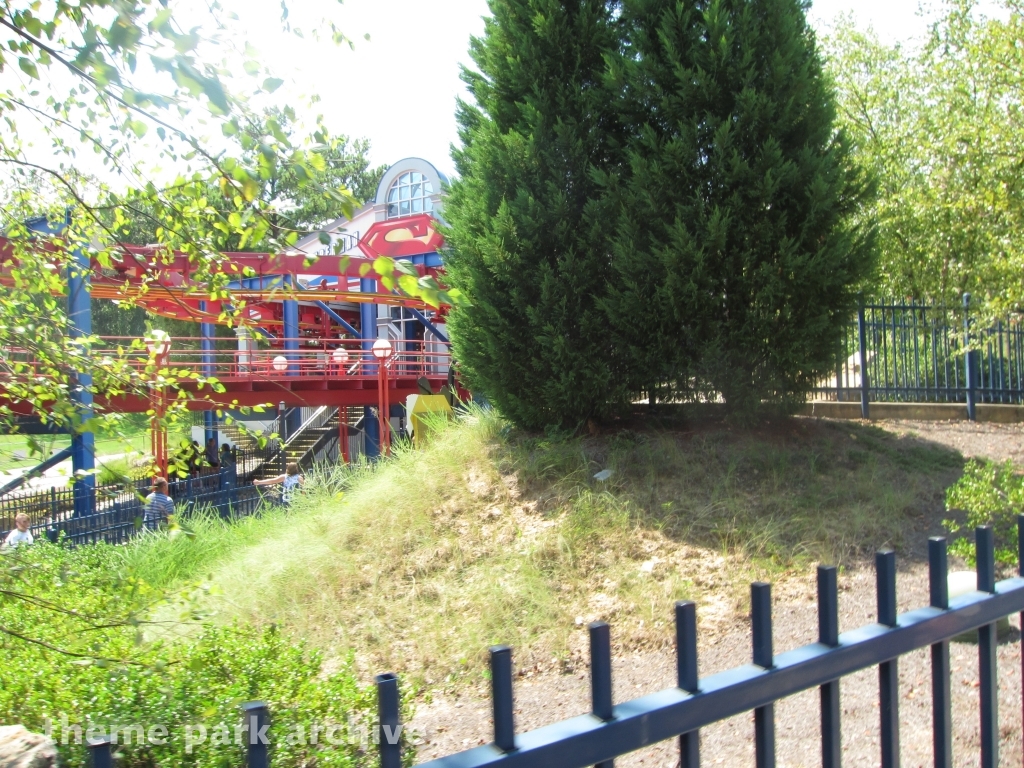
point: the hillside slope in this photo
(487, 536)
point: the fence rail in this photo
(120, 507)
(915, 353)
(612, 730)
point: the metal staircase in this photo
(315, 440)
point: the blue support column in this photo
(209, 417)
(290, 334)
(83, 443)
(368, 333)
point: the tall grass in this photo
(420, 562)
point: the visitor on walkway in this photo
(21, 533)
(212, 457)
(159, 506)
(291, 480)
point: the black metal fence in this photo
(120, 508)
(919, 354)
(612, 730)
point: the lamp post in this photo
(158, 343)
(382, 351)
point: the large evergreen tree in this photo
(736, 256)
(527, 242)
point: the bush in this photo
(990, 494)
(75, 651)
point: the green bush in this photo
(990, 494)
(73, 634)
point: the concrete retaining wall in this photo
(1001, 414)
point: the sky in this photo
(399, 88)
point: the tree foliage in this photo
(654, 198)
(117, 113)
(939, 124)
(526, 239)
(736, 264)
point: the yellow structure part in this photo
(423, 405)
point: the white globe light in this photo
(280, 363)
(381, 349)
(158, 343)
(339, 356)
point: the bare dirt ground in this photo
(544, 695)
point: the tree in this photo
(526, 240)
(736, 252)
(939, 124)
(79, 103)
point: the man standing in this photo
(159, 506)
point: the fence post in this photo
(761, 628)
(970, 361)
(828, 634)
(987, 659)
(862, 343)
(99, 753)
(888, 671)
(389, 735)
(689, 680)
(256, 719)
(502, 707)
(942, 720)
(601, 705)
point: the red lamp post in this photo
(382, 351)
(159, 345)
(339, 359)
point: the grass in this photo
(14, 446)
(421, 562)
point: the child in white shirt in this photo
(21, 534)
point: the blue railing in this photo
(120, 508)
(894, 352)
(612, 730)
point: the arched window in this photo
(410, 194)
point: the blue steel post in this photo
(502, 705)
(984, 554)
(862, 344)
(828, 634)
(209, 417)
(368, 333)
(256, 721)
(290, 334)
(601, 705)
(390, 735)
(764, 657)
(688, 678)
(888, 671)
(970, 362)
(942, 718)
(83, 443)
(100, 754)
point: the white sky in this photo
(399, 88)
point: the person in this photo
(159, 506)
(227, 459)
(195, 459)
(21, 533)
(211, 453)
(291, 480)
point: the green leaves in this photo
(989, 494)
(939, 126)
(28, 67)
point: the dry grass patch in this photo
(489, 537)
